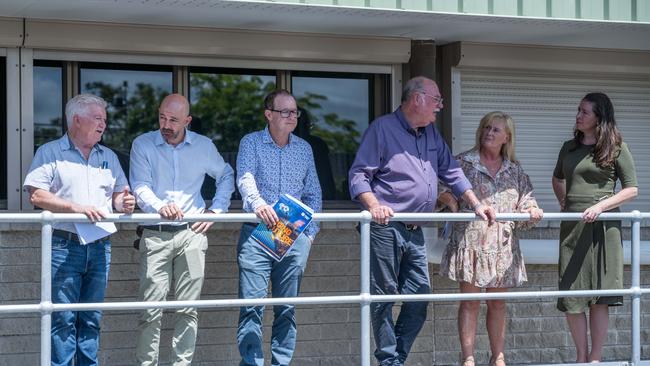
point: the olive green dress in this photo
(591, 254)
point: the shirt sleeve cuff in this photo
(158, 205)
(461, 188)
(359, 188)
(36, 185)
(257, 203)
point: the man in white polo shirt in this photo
(167, 170)
(75, 174)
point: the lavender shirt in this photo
(402, 167)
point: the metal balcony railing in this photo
(364, 299)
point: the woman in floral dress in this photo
(481, 256)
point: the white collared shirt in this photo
(162, 174)
(60, 168)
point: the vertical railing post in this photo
(636, 283)
(365, 288)
(46, 287)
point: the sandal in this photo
(468, 361)
(498, 361)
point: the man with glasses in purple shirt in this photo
(397, 167)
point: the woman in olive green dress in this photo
(591, 252)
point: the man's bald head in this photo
(176, 101)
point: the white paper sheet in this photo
(88, 233)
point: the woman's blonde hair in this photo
(508, 149)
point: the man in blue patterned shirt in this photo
(270, 163)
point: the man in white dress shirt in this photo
(167, 171)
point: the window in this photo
(226, 105)
(133, 94)
(336, 111)
(48, 102)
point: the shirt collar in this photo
(405, 124)
(66, 144)
(189, 137)
(267, 139)
(474, 158)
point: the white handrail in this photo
(364, 299)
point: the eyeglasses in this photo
(436, 99)
(285, 113)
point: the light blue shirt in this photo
(162, 174)
(265, 171)
(60, 168)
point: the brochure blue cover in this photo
(294, 216)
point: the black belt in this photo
(66, 235)
(411, 227)
(408, 227)
(167, 228)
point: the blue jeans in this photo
(398, 265)
(256, 267)
(79, 275)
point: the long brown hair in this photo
(608, 136)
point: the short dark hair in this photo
(269, 100)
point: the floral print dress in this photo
(489, 256)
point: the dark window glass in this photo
(48, 102)
(3, 133)
(133, 94)
(336, 111)
(226, 105)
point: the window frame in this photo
(4, 173)
(73, 61)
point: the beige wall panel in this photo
(11, 31)
(211, 42)
(551, 58)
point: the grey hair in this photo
(79, 103)
(415, 85)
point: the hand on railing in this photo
(93, 213)
(171, 212)
(381, 214)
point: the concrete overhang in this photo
(285, 17)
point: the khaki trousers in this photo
(165, 256)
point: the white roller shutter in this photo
(543, 105)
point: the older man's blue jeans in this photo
(79, 275)
(398, 265)
(256, 267)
